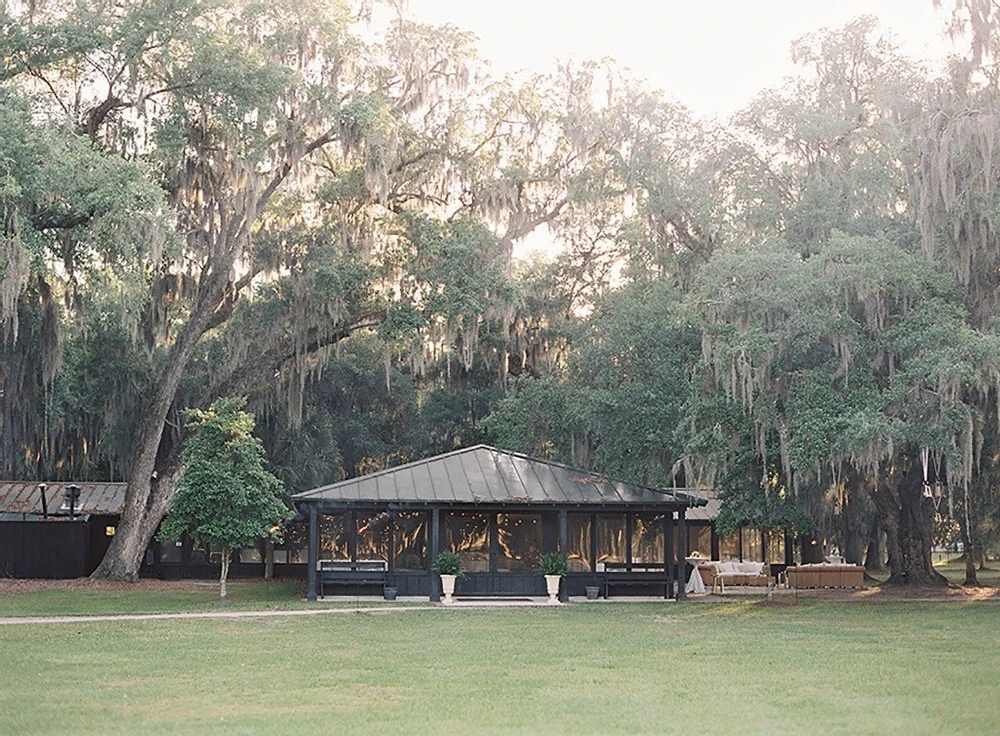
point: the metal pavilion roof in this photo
(24, 497)
(484, 475)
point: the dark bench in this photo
(632, 574)
(347, 572)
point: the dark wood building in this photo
(501, 511)
(56, 530)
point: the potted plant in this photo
(554, 567)
(449, 566)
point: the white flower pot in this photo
(552, 584)
(448, 586)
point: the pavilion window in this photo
(751, 547)
(519, 542)
(334, 540)
(774, 545)
(611, 538)
(729, 546)
(700, 536)
(295, 548)
(468, 533)
(409, 537)
(201, 552)
(647, 538)
(578, 543)
(250, 554)
(171, 550)
(373, 536)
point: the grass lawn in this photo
(955, 572)
(201, 596)
(807, 667)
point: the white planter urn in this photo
(552, 584)
(448, 587)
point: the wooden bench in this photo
(632, 574)
(347, 572)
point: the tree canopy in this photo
(207, 199)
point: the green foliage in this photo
(453, 412)
(554, 563)
(536, 418)
(447, 563)
(631, 372)
(225, 496)
(65, 202)
(618, 408)
(747, 302)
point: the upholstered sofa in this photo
(719, 574)
(825, 575)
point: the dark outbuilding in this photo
(57, 529)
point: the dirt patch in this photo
(666, 619)
(781, 601)
(897, 593)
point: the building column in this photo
(312, 559)
(682, 546)
(668, 553)
(435, 550)
(564, 550)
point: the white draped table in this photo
(694, 584)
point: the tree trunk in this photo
(225, 571)
(851, 523)
(908, 517)
(146, 498)
(875, 555)
(268, 559)
(970, 552)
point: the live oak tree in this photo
(77, 226)
(830, 144)
(226, 497)
(857, 357)
(237, 108)
(298, 163)
(954, 195)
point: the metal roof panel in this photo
(484, 475)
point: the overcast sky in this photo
(711, 55)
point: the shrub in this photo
(554, 563)
(447, 563)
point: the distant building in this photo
(58, 529)
(501, 510)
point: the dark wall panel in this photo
(45, 549)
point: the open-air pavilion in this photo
(501, 511)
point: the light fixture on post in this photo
(72, 496)
(45, 501)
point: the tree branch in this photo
(260, 369)
(37, 74)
